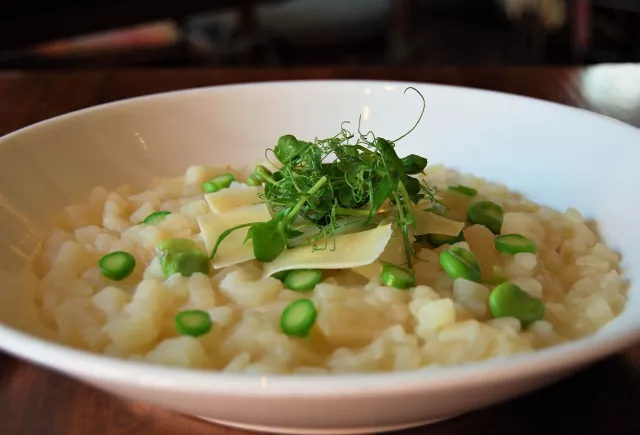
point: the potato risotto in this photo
(341, 257)
(492, 274)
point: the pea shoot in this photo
(117, 265)
(365, 174)
(458, 262)
(298, 318)
(514, 244)
(156, 217)
(414, 164)
(486, 213)
(193, 322)
(218, 183)
(394, 276)
(509, 300)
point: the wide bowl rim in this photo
(89, 365)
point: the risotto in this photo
(509, 278)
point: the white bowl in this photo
(556, 155)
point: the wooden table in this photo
(603, 399)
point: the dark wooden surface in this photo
(601, 400)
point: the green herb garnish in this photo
(364, 175)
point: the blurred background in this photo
(75, 34)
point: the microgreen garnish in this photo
(364, 175)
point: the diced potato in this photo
(462, 331)
(76, 257)
(150, 297)
(97, 198)
(222, 316)
(423, 292)
(201, 295)
(115, 205)
(116, 223)
(525, 224)
(95, 278)
(510, 324)
(198, 174)
(597, 310)
(141, 213)
(104, 242)
(195, 208)
(178, 286)
(154, 271)
(184, 351)
(526, 260)
(178, 225)
(574, 215)
(349, 321)
(150, 197)
(480, 240)
(133, 333)
(150, 236)
(239, 287)
(238, 364)
(437, 314)
(172, 205)
(74, 316)
(110, 300)
(473, 296)
(87, 235)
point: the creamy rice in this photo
(361, 326)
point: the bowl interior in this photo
(555, 155)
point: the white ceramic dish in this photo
(556, 155)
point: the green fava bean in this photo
(440, 239)
(218, 183)
(156, 217)
(458, 262)
(254, 180)
(394, 276)
(182, 256)
(514, 244)
(463, 190)
(509, 300)
(486, 213)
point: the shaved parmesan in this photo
(228, 199)
(431, 223)
(232, 250)
(351, 250)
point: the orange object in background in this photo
(153, 35)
